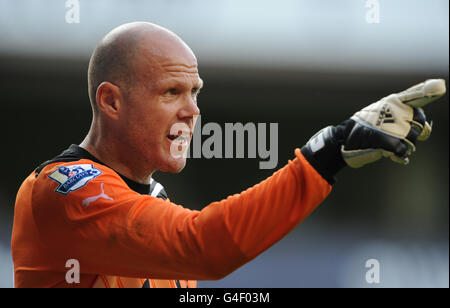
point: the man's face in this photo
(160, 108)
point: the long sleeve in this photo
(112, 230)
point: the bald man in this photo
(94, 217)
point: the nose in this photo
(189, 109)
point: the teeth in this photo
(180, 139)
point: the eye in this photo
(171, 91)
(195, 92)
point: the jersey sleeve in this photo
(112, 230)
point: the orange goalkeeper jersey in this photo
(124, 234)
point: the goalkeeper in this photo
(97, 203)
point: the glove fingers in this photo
(364, 137)
(366, 145)
(420, 128)
(399, 160)
(396, 156)
(419, 117)
(426, 131)
(423, 93)
(397, 146)
(359, 158)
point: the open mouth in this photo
(181, 137)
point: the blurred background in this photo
(301, 64)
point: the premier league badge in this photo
(73, 177)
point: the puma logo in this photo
(89, 200)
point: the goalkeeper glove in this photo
(387, 128)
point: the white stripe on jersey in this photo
(156, 190)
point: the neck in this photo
(107, 150)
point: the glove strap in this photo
(323, 150)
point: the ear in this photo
(109, 99)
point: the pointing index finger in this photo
(423, 93)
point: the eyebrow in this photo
(175, 83)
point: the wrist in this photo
(323, 150)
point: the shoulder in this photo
(71, 176)
(75, 182)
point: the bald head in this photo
(130, 54)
